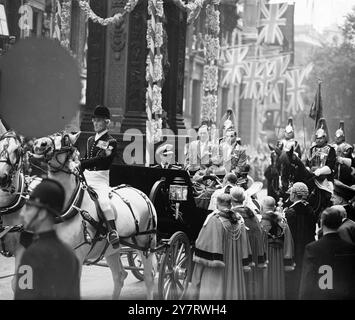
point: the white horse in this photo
(12, 194)
(80, 216)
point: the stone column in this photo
(116, 60)
(173, 89)
(95, 65)
(135, 113)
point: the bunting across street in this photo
(270, 20)
(252, 79)
(296, 88)
(233, 67)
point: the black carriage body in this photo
(144, 179)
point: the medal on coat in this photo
(102, 144)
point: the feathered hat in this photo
(322, 129)
(340, 133)
(289, 130)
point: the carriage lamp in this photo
(178, 193)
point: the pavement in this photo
(96, 281)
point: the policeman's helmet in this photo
(289, 130)
(50, 195)
(340, 133)
(101, 112)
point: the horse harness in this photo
(16, 205)
(74, 207)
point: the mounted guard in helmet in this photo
(289, 140)
(345, 160)
(322, 158)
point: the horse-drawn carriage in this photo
(179, 221)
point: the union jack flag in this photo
(270, 20)
(232, 69)
(267, 77)
(280, 65)
(252, 79)
(296, 88)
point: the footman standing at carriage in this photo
(321, 162)
(48, 269)
(100, 153)
(289, 140)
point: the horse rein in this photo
(19, 153)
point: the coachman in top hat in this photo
(100, 153)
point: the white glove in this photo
(345, 161)
(321, 171)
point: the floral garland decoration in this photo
(85, 6)
(154, 70)
(210, 70)
(193, 8)
(65, 18)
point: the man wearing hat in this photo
(50, 267)
(289, 140)
(165, 154)
(342, 196)
(302, 222)
(100, 153)
(344, 153)
(343, 149)
(321, 161)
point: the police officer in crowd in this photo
(48, 269)
(100, 153)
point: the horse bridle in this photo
(14, 167)
(66, 147)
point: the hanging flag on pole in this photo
(271, 19)
(296, 88)
(316, 111)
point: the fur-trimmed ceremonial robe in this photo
(280, 253)
(254, 279)
(222, 249)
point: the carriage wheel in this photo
(135, 261)
(175, 268)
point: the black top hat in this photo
(101, 112)
(344, 191)
(49, 194)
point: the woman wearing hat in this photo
(100, 153)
